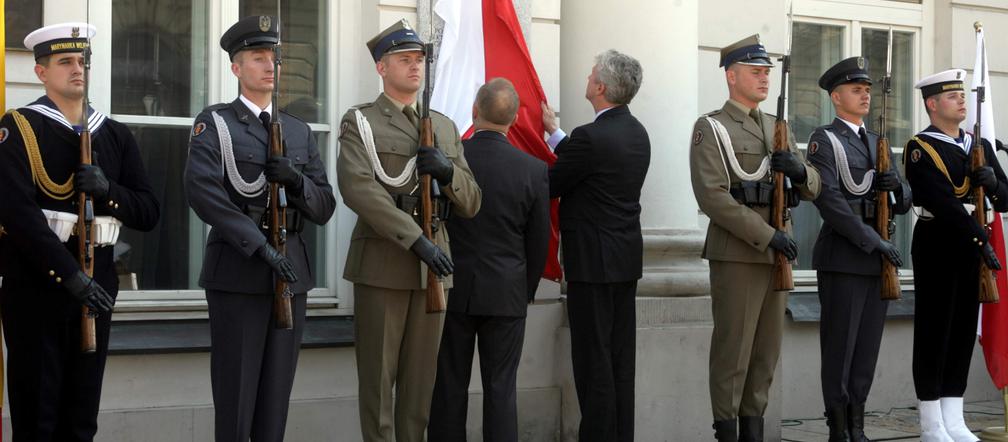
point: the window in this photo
(816, 47)
(20, 18)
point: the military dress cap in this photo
(950, 80)
(748, 51)
(59, 38)
(256, 31)
(851, 70)
(399, 37)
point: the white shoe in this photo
(955, 425)
(932, 426)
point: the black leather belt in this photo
(760, 194)
(411, 205)
(261, 216)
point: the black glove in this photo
(432, 255)
(891, 252)
(989, 257)
(782, 242)
(985, 177)
(88, 292)
(281, 265)
(91, 180)
(887, 181)
(281, 170)
(787, 162)
(433, 162)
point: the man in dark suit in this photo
(598, 176)
(252, 362)
(848, 253)
(499, 257)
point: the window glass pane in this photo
(303, 43)
(874, 43)
(815, 49)
(162, 258)
(159, 51)
(20, 18)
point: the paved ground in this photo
(898, 424)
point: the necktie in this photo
(755, 114)
(864, 139)
(265, 118)
(411, 116)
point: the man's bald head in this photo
(496, 105)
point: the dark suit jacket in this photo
(846, 243)
(598, 176)
(500, 253)
(230, 262)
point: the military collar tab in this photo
(48, 109)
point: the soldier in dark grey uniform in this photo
(848, 253)
(251, 362)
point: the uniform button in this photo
(110, 203)
(244, 243)
(974, 240)
(52, 273)
(298, 158)
(250, 156)
(755, 243)
(117, 205)
(59, 280)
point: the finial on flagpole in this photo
(978, 26)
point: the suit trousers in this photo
(746, 342)
(53, 388)
(252, 365)
(603, 327)
(500, 346)
(945, 324)
(397, 347)
(850, 333)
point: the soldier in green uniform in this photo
(380, 159)
(730, 165)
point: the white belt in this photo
(106, 228)
(926, 215)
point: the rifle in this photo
(428, 190)
(782, 275)
(85, 212)
(282, 294)
(890, 281)
(978, 159)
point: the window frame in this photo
(334, 296)
(854, 16)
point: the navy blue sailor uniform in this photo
(848, 262)
(947, 242)
(252, 363)
(54, 389)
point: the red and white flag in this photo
(483, 40)
(994, 317)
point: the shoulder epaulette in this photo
(712, 113)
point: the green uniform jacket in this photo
(379, 252)
(737, 233)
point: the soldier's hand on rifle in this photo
(989, 257)
(88, 292)
(433, 256)
(787, 162)
(985, 177)
(433, 162)
(281, 170)
(891, 252)
(782, 241)
(91, 180)
(549, 119)
(280, 264)
(887, 181)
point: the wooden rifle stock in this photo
(783, 278)
(435, 290)
(283, 315)
(890, 280)
(988, 287)
(85, 242)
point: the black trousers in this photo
(252, 365)
(500, 345)
(850, 334)
(53, 388)
(945, 323)
(603, 325)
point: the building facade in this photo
(157, 64)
